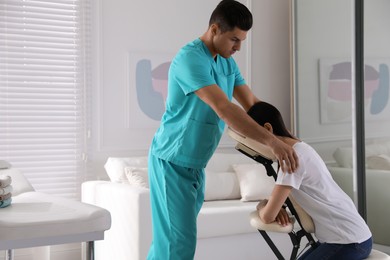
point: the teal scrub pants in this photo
(176, 196)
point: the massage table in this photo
(302, 224)
(35, 219)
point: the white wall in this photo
(127, 30)
(271, 53)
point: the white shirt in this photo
(333, 212)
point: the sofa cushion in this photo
(225, 217)
(115, 166)
(219, 162)
(221, 185)
(255, 184)
(344, 156)
(379, 162)
(137, 176)
(218, 186)
(378, 148)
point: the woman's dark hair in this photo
(263, 112)
(230, 14)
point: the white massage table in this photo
(36, 219)
(305, 226)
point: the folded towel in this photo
(5, 196)
(5, 180)
(5, 203)
(4, 164)
(6, 189)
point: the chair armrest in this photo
(257, 223)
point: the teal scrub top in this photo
(190, 130)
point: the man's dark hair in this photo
(263, 112)
(230, 14)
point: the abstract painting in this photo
(336, 90)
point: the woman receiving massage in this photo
(341, 232)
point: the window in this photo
(43, 91)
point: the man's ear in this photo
(214, 28)
(268, 126)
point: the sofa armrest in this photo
(378, 211)
(131, 231)
(378, 196)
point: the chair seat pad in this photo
(39, 215)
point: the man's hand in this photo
(288, 159)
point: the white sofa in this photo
(377, 189)
(224, 231)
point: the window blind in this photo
(43, 91)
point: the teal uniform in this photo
(188, 136)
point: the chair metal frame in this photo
(295, 236)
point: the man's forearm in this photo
(235, 117)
